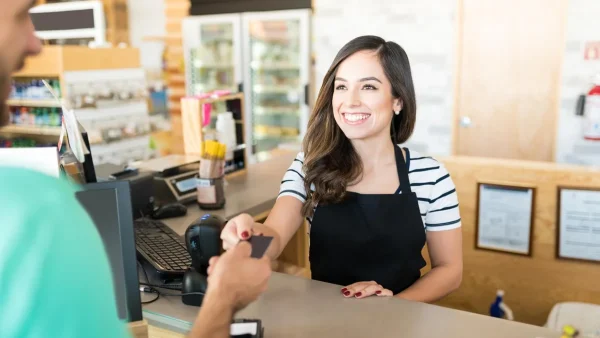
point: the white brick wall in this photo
(425, 29)
(583, 25)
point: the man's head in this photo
(17, 41)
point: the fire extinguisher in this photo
(588, 106)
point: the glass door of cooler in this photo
(213, 55)
(276, 78)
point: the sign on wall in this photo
(504, 218)
(578, 224)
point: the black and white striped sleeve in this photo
(443, 212)
(292, 183)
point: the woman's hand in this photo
(240, 227)
(365, 289)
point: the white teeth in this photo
(355, 117)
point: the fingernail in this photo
(346, 293)
(378, 292)
(344, 290)
(358, 294)
(245, 234)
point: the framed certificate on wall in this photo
(504, 218)
(578, 224)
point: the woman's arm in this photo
(445, 251)
(282, 223)
(284, 219)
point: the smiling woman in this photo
(371, 204)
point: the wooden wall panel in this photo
(175, 11)
(508, 75)
(532, 284)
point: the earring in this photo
(397, 112)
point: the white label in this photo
(203, 183)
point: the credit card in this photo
(259, 244)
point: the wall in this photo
(532, 284)
(582, 26)
(425, 29)
(147, 19)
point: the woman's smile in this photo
(355, 118)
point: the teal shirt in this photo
(55, 279)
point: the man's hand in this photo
(237, 277)
(235, 280)
(365, 289)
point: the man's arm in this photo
(215, 317)
(235, 280)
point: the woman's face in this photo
(362, 101)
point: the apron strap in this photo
(402, 171)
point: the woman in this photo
(371, 205)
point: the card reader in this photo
(174, 177)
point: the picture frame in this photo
(504, 218)
(581, 239)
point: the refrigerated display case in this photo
(264, 54)
(213, 56)
(277, 55)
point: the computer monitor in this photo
(109, 206)
(78, 20)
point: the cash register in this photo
(174, 177)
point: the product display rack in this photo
(107, 89)
(194, 134)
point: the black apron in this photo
(370, 237)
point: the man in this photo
(55, 279)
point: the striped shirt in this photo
(429, 180)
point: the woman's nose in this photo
(353, 99)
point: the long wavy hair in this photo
(330, 161)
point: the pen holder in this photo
(211, 193)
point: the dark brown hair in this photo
(330, 161)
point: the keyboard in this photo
(162, 247)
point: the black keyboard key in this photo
(162, 246)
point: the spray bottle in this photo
(499, 309)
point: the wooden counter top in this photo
(300, 307)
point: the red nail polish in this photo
(378, 292)
(358, 294)
(245, 234)
(346, 293)
(344, 290)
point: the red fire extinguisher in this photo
(588, 106)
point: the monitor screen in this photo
(64, 20)
(109, 206)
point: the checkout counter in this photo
(295, 306)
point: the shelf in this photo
(31, 130)
(34, 103)
(262, 137)
(274, 66)
(201, 65)
(275, 110)
(259, 89)
(239, 147)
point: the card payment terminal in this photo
(175, 177)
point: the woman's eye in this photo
(340, 87)
(369, 87)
